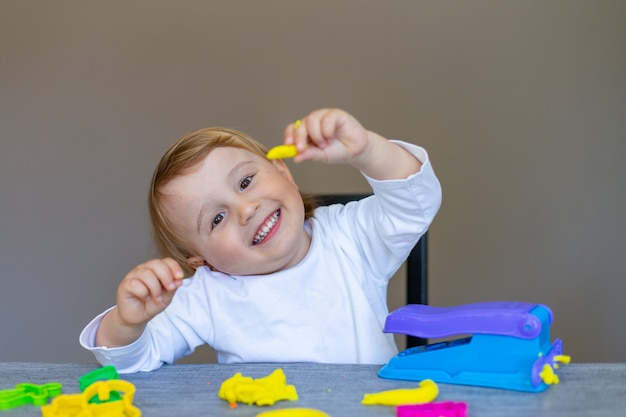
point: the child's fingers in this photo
(177, 273)
(166, 271)
(314, 137)
(290, 131)
(326, 135)
(313, 134)
(155, 287)
(155, 278)
(323, 126)
(134, 288)
(330, 125)
(145, 285)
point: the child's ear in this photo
(196, 262)
(280, 165)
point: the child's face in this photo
(239, 212)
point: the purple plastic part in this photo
(496, 318)
(556, 349)
(441, 409)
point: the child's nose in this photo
(247, 210)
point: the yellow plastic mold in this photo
(78, 404)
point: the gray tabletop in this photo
(191, 390)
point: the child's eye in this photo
(246, 181)
(218, 219)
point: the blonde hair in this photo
(182, 156)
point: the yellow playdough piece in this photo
(260, 391)
(425, 393)
(564, 359)
(294, 412)
(548, 376)
(282, 151)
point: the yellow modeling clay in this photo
(293, 412)
(260, 391)
(282, 151)
(548, 376)
(425, 393)
(565, 359)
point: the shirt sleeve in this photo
(126, 359)
(385, 227)
(420, 192)
(169, 336)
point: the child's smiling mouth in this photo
(266, 228)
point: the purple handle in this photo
(498, 318)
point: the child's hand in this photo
(142, 294)
(327, 135)
(334, 136)
(147, 290)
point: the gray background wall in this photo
(520, 103)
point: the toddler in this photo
(274, 279)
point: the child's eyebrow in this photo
(201, 215)
(234, 172)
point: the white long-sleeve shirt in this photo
(329, 308)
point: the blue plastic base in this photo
(482, 360)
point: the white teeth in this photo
(266, 228)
